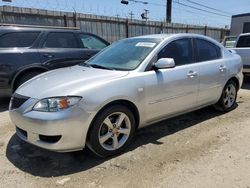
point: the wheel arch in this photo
(130, 105)
(25, 70)
(236, 80)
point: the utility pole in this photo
(131, 14)
(169, 11)
(117, 16)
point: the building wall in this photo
(110, 28)
(237, 24)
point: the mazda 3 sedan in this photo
(131, 84)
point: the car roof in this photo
(165, 36)
(18, 28)
(244, 34)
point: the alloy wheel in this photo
(229, 96)
(114, 131)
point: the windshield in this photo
(125, 54)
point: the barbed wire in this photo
(82, 7)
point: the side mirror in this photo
(164, 63)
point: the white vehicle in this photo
(229, 41)
(242, 47)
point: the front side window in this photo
(91, 42)
(18, 39)
(243, 42)
(126, 54)
(206, 50)
(61, 40)
(180, 50)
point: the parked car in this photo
(229, 41)
(131, 84)
(242, 47)
(26, 52)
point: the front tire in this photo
(228, 97)
(111, 131)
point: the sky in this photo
(157, 9)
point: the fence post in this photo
(186, 28)
(127, 28)
(65, 20)
(221, 34)
(205, 31)
(74, 19)
(161, 27)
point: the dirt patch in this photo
(200, 149)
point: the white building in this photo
(240, 24)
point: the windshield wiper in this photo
(100, 67)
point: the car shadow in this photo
(43, 163)
(4, 104)
(246, 83)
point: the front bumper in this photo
(69, 127)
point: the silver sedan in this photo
(131, 84)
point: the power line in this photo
(200, 9)
(211, 18)
(208, 7)
(193, 7)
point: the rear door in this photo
(17, 51)
(60, 49)
(213, 71)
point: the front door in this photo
(173, 90)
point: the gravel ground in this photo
(201, 149)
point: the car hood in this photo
(67, 81)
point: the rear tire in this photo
(228, 97)
(24, 78)
(111, 131)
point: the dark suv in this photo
(27, 52)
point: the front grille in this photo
(50, 139)
(17, 100)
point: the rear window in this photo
(206, 50)
(243, 42)
(18, 39)
(61, 40)
(91, 42)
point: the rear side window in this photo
(18, 39)
(91, 42)
(206, 50)
(180, 50)
(243, 42)
(61, 40)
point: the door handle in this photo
(48, 55)
(222, 68)
(191, 74)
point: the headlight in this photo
(56, 103)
